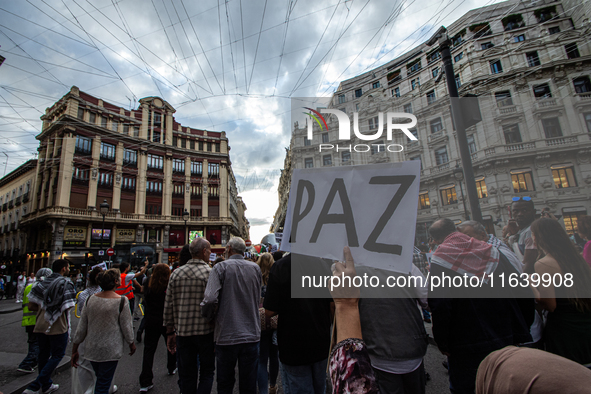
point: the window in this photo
(496, 67)
(395, 93)
(125, 129)
(178, 189)
(157, 119)
(92, 118)
(572, 52)
(357, 106)
(154, 187)
(341, 98)
(373, 123)
(114, 125)
(178, 165)
(435, 72)
(155, 162)
(213, 170)
(415, 83)
(448, 196)
(431, 97)
(104, 121)
(80, 113)
(196, 168)
(307, 142)
(375, 85)
(309, 162)
(503, 98)
(213, 191)
(588, 122)
(582, 85)
(481, 188)
(200, 145)
(327, 160)
(519, 38)
(486, 45)
(107, 151)
(533, 59)
(414, 67)
(81, 174)
(324, 138)
(414, 132)
(209, 147)
(431, 57)
(554, 30)
(136, 131)
(471, 143)
(512, 134)
(153, 209)
(552, 127)
(195, 189)
(128, 183)
(458, 81)
(130, 157)
(436, 125)
(424, 202)
(377, 147)
(522, 182)
(457, 40)
(345, 156)
(542, 91)
(217, 147)
(83, 145)
(441, 156)
(183, 142)
(358, 93)
(175, 141)
(156, 136)
(105, 179)
(408, 108)
(458, 57)
(563, 177)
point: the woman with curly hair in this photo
(268, 350)
(568, 329)
(154, 295)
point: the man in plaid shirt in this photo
(188, 332)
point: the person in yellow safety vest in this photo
(29, 319)
(127, 282)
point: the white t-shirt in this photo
(22, 280)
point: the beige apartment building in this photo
(153, 182)
(529, 63)
(15, 201)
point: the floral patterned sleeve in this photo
(350, 368)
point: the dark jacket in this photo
(463, 323)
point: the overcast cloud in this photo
(222, 65)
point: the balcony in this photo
(108, 157)
(520, 147)
(10, 204)
(561, 141)
(82, 151)
(5, 206)
(17, 202)
(545, 103)
(507, 110)
(441, 167)
(586, 96)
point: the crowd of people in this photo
(234, 312)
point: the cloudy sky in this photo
(230, 66)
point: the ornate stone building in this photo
(529, 63)
(15, 201)
(159, 183)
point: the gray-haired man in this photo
(232, 296)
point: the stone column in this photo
(167, 187)
(94, 172)
(223, 192)
(139, 233)
(57, 239)
(64, 183)
(140, 189)
(116, 203)
(204, 198)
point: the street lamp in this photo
(104, 210)
(186, 216)
(459, 175)
(442, 39)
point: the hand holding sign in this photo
(368, 208)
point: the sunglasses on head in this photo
(521, 198)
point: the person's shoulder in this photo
(547, 264)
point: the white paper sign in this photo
(102, 265)
(212, 256)
(370, 208)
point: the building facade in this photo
(153, 182)
(15, 201)
(529, 64)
